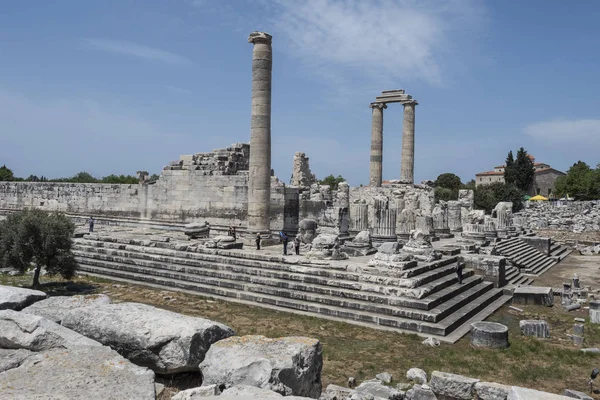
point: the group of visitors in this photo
(284, 239)
(232, 232)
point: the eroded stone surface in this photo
(162, 340)
(55, 308)
(290, 365)
(454, 386)
(14, 298)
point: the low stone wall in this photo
(491, 268)
(540, 243)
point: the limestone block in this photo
(594, 316)
(537, 295)
(12, 358)
(419, 392)
(290, 365)
(574, 394)
(55, 308)
(31, 332)
(377, 389)
(162, 340)
(337, 392)
(453, 386)
(197, 393)
(14, 298)
(324, 241)
(389, 248)
(417, 375)
(491, 391)
(519, 393)
(535, 328)
(384, 377)
(489, 335)
(246, 392)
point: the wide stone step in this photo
(430, 282)
(383, 295)
(441, 328)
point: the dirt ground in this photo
(587, 269)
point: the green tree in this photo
(510, 169)
(6, 174)
(581, 182)
(471, 185)
(487, 196)
(442, 193)
(523, 170)
(448, 181)
(153, 178)
(36, 237)
(121, 179)
(332, 181)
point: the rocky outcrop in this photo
(14, 298)
(91, 373)
(55, 308)
(161, 340)
(289, 366)
(31, 332)
(576, 216)
(301, 175)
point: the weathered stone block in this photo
(452, 386)
(489, 335)
(14, 298)
(535, 328)
(491, 391)
(537, 295)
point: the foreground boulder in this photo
(161, 340)
(30, 332)
(14, 298)
(90, 373)
(243, 392)
(12, 358)
(55, 308)
(289, 366)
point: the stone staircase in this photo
(427, 300)
(515, 277)
(530, 260)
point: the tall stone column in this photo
(375, 176)
(259, 182)
(407, 172)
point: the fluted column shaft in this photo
(259, 182)
(407, 172)
(376, 168)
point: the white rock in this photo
(246, 392)
(55, 308)
(491, 391)
(324, 241)
(79, 372)
(454, 386)
(201, 392)
(519, 393)
(12, 358)
(377, 389)
(416, 375)
(290, 365)
(162, 340)
(14, 298)
(26, 331)
(384, 377)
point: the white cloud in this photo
(564, 130)
(138, 50)
(377, 39)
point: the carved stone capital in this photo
(378, 105)
(260, 37)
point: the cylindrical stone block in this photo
(489, 335)
(259, 181)
(376, 168)
(407, 171)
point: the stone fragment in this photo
(162, 340)
(574, 394)
(594, 350)
(572, 307)
(594, 316)
(31, 332)
(384, 377)
(535, 328)
(246, 392)
(351, 382)
(421, 393)
(197, 393)
(389, 248)
(14, 298)
(453, 386)
(197, 230)
(79, 372)
(307, 229)
(578, 329)
(577, 340)
(519, 393)
(416, 375)
(377, 389)
(55, 308)
(12, 358)
(290, 365)
(336, 392)
(431, 342)
(536, 295)
(491, 391)
(489, 335)
(324, 241)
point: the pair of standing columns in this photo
(407, 171)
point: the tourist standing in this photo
(258, 241)
(91, 222)
(284, 240)
(459, 271)
(233, 233)
(297, 244)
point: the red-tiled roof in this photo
(490, 173)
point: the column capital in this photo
(260, 37)
(411, 102)
(378, 105)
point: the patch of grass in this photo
(350, 350)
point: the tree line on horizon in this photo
(6, 174)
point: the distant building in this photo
(544, 178)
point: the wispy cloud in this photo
(399, 40)
(138, 50)
(177, 89)
(564, 130)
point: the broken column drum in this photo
(454, 216)
(384, 225)
(407, 223)
(489, 335)
(376, 171)
(407, 172)
(489, 229)
(359, 218)
(259, 182)
(502, 222)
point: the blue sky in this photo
(117, 86)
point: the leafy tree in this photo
(442, 193)
(471, 185)
(581, 182)
(332, 181)
(6, 174)
(487, 196)
(121, 179)
(153, 177)
(523, 170)
(510, 169)
(35, 236)
(448, 181)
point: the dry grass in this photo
(551, 365)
